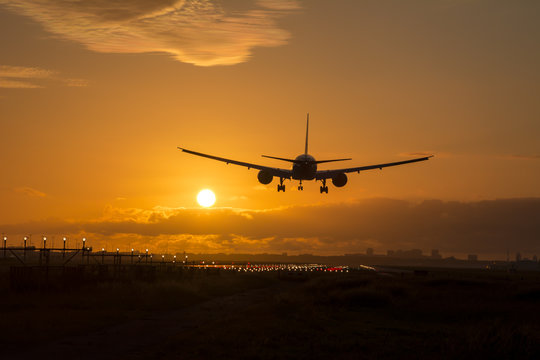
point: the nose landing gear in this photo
(324, 188)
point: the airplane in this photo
(304, 168)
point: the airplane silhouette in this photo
(304, 168)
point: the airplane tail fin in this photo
(307, 132)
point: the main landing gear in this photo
(281, 186)
(324, 188)
(300, 187)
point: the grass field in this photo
(445, 314)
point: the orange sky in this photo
(96, 95)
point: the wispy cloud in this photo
(76, 82)
(28, 191)
(200, 32)
(23, 77)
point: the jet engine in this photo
(339, 180)
(266, 178)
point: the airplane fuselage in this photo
(304, 167)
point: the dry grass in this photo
(354, 316)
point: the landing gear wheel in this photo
(280, 186)
(300, 187)
(324, 188)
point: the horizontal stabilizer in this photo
(303, 161)
(278, 158)
(325, 161)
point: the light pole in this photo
(83, 249)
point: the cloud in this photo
(483, 227)
(16, 84)
(199, 32)
(22, 72)
(28, 191)
(23, 77)
(76, 82)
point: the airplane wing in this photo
(284, 173)
(327, 174)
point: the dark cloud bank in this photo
(484, 227)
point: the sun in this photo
(206, 198)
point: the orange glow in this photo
(89, 134)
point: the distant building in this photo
(414, 253)
(435, 254)
(369, 251)
(472, 257)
